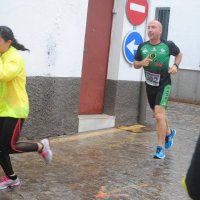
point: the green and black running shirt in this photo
(157, 72)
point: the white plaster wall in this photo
(53, 30)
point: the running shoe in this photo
(160, 153)
(46, 151)
(169, 139)
(6, 182)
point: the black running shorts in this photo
(158, 95)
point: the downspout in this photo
(142, 96)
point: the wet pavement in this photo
(111, 164)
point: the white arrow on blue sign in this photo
(130, 45)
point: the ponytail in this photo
(7, 34)
(18, 46)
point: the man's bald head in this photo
(157, 23)
(154, 30)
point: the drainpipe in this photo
(142, 97)
(142, 103)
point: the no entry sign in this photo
(137, 11)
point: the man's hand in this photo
(173, 70)
(143, 63)
(146, 62)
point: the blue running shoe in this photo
(169, 139)
(160, 153)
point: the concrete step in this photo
(95, 122)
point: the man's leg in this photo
(162, 127)
(161, 102)
(167, 123)
(154, 97)
(170, 136)
(162, 120)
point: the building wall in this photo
(54, 31)
(186, 86)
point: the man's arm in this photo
(174, 51)
(177, 61)
(178, 58)
(137, 64)
(143, 63)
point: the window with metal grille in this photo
(162, 15)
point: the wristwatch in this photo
(176, 65)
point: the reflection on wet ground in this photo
(110, 164)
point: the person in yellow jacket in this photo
(14, 108)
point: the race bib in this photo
(152, 79)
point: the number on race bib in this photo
(152, 79)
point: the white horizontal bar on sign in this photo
(137, 7)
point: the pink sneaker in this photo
(46, 152)
(6, 182)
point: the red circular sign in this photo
(137, 11)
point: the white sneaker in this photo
(46, 151)
(6, 182)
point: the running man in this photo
(154, 56)
(14, 108)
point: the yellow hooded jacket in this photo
(13, 96)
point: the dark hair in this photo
(7, 34)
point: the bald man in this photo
(154, 56)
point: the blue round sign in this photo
(130, 45)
